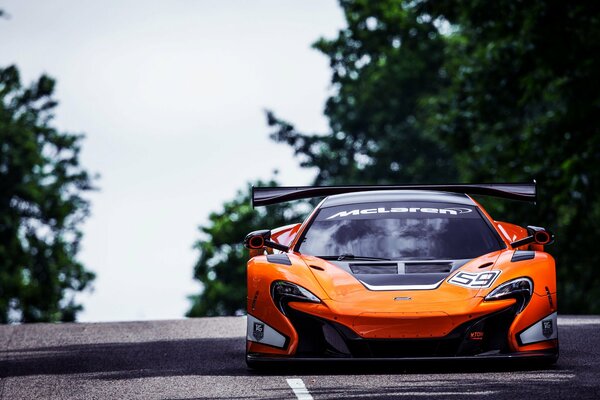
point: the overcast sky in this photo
(171, 97)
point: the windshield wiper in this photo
(342, 257)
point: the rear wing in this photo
(264, 196)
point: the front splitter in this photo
(549, 357)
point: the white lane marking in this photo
(299, 389)
(578, 321)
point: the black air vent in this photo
(381, 268)
(279, 259)
(427, 268)
(522, 255)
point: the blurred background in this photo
(131, 132)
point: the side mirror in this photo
(537, 235)
(258, 239)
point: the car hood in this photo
(371, 283)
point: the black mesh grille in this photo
(404, 348)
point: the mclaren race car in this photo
(400, 272)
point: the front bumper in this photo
(324, 338)
(319, 339)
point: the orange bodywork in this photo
(384, 314)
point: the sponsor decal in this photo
(543, 330)
(477, 335)
(386, 210)
(474, 280)
(259, 331)
(547, 329)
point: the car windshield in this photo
(400, 231)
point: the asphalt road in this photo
(204, 359)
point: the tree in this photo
(383, 63)
(522, 102)
(41, 206)
(221, 266)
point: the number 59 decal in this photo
(475, 280)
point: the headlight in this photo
(520, 289)
(283, 292)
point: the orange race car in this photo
(400, 272)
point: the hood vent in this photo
(374, 268)
(427, 268)
(401, 268)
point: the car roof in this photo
(397, 195)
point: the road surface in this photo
(204, 359)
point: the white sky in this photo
(171, 96)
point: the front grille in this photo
(391, 348)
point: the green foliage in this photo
(522, 102)
(41, 183)
(221, 266)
